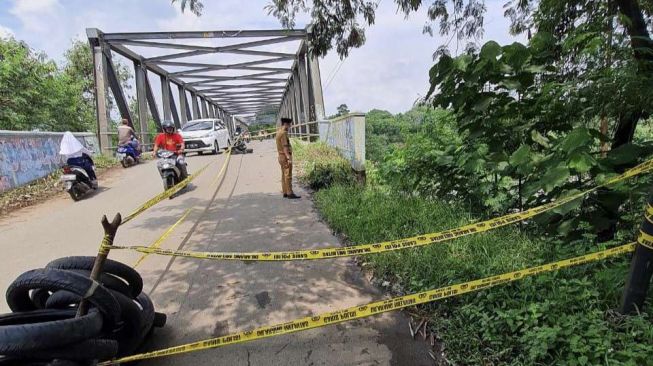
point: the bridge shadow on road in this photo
(208, 298)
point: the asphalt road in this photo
(244, 211)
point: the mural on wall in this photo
(27, 156)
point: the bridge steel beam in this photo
(116, 89)
(183, 104)
(99, 71)
(141, 100)
(173, 108)
(205, 111)
(196, 106)
(258, 83)
(165, 97)
(302, 72)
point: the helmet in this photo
(168, 126)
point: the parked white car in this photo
(205, 135)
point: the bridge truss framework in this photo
(251, 86)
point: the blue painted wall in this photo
(26, 156)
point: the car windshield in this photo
(198, 126)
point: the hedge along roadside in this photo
(378, 307)
(178, 187)
(406, 243)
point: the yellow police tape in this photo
(163, 237)
(274, 132)
(176, 188)
(411, 242)
(165, 194)
(378, 307)
(645, 239)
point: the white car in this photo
(205, 135)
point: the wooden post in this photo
(110, 229)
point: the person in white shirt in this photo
(76, 154)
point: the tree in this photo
(195, 6)
(78, 67)
(34, 94)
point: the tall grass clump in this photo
(321, 166)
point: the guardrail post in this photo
(641, 266)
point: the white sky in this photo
(389, 72)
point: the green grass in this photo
(559, 318)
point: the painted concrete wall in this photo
(347, 134)
(26, 156)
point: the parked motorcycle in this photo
(167, 166)
(239, 147)
(77, 182)
(128, 155)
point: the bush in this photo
(555, 318)
(321, 166)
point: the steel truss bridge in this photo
(216, 74)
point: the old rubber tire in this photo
(42, 329)
(39, 297)
(42, 299)
(111, 267)
(13, 361)
(130, 335)
(90, 349)
(18, 297)
(62, 300)
(147, 308)
(160, 320)
(216, 148)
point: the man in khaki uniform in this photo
(284, 151)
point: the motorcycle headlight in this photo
(167, 166)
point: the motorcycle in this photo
(128, 155)
(167, 166)
(77, 182)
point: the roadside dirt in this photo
(39, 191)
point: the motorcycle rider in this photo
(171, 140)
(127, 135)
(76, 154)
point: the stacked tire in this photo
(43, 329)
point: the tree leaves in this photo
(578, 137)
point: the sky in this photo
(389, 72)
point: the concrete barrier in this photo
(347, 135)
(27, 156)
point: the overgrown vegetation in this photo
(321, 166)
(38, 94)
(567, 317)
